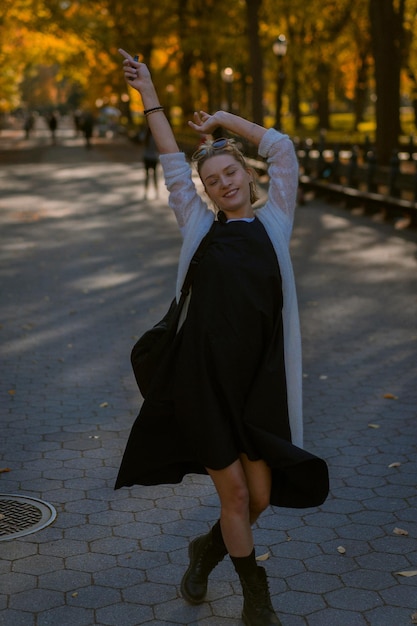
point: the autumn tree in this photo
(70, 46)
(386, 18)
(255, 59)
(296, 23)
(359, 61)
(313, 31)
(391, 28)
(28, 41)
(324, 32)
(206, 47)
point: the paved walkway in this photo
(86, 265)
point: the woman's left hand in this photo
(204, 123)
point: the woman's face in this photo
(226, 182)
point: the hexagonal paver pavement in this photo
(86, 265)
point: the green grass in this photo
(342, 128)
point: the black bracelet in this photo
(154, 110)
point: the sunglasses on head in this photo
(207, 149)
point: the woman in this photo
(228, 403)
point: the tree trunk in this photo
(323, 104)
(255, 57)
(295, 95)
(386, 31)
(361, 89)
(186, 61)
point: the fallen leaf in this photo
(341, 550)
(3, 470)
(74, 595)
(2, 516)
(414, 618)
(103, 405)
(374, 426)
(11, 392)
(400, 531)
(263, 557)
(390, 396)
(396, 464)
(407, 573)
(402, 223)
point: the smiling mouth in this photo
(230, 193)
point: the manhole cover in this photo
(21, 515)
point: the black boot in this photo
(205, 553)
(257, 605)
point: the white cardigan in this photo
(277, 215)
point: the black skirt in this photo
(222, 389)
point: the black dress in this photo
(222, 390)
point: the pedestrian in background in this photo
(150, 161)
(87, 126)
(28, 125)
(227, 402)
(53, 124)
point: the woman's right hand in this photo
(136, 74)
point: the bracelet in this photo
(154, 110)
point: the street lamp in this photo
(279, 48)
(228, 77)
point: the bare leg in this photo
(258, 478)
(232, 489)
(244, 489)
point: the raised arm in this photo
(206, 123)
(137, 75)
